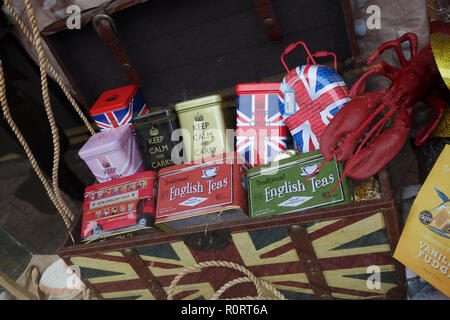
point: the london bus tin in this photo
(112, 154)
(280, 187)
(119, 206)
(204, 122)
(260, 129)
(153, 133)
(193, 194)
(117, 107)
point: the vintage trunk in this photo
(322, 253)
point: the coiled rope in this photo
(52, 188)
(250, 277)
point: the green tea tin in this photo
(280, 187)
(204, 122)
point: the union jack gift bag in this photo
(115, 108)
(260, 129)
(309, 97)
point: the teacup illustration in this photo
(209, 173)
(309, 169)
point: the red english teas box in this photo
(202, 192)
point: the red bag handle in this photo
(323, 54)
(291, 48)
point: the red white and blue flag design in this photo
(261, 132)
(116, 118)
(319, 94)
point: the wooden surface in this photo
(343, 242)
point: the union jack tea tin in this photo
(204, 122)
(153, 133)
(310, 95)
(117, 107)
(260, 129)
(119, 206)
(280, 187)
(112, 154)
(193, 194)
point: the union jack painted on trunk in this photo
(346, 248)
(319, 94)
(261, 132)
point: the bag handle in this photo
(291, 48)
(323, 54)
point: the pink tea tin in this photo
(112, 154)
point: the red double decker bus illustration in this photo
(120, 205)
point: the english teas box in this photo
(281, 187)
(202, 192)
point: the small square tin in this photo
(153, 133)
(280, 187)
(205, 122)
(260, 129)
(119, 206)
(193, 194)
(117, 107)
(112, 154)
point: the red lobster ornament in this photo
(353, 124)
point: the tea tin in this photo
(112, 154)
(260, 129)
(117, 107)
(119, 206)
(153, 133)
(281, 187)
(204, 122)
(193, 194)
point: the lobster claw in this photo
(381, 149)
(342, 131)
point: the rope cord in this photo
(17, 132)
(34, 37)
(48, 109)
(250, 277)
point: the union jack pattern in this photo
(345, 248)
(319, 94)
(261, 132)
(115, 118)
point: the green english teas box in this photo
(279, 187)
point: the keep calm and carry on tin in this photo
(204, 122)
(279, 187)
(154, 137)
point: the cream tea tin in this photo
(204, 122)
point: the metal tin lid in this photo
(155, 115)
(229, 158)
(113, 99)
(268, 168)
(140, 175)
(252, 88)
(199, 102)
(105, 142)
